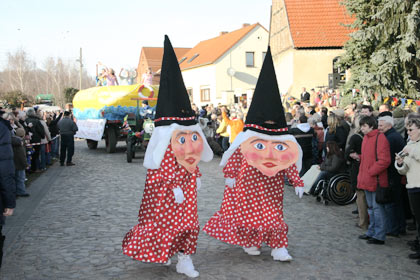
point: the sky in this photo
(113, 32)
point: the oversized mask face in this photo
(187, 147)
(270, 156)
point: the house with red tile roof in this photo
(152, 57)
(306, 38)
(225, 69)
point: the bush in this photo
(16, 98)
(69, 94)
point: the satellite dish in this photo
(231, 72)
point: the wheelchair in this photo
(337, 189)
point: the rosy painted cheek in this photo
(252, 156)
(178, 151)
(198, 148)
(286, 156)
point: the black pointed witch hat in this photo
(173, 104)
(266, 113)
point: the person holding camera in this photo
(407, 163)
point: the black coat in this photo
(354, 146)
(7, 169)
(340, 137)
(53, 127)
(19, 153)
(396, 144)
(334, 164)
(305, 96)
(37, 129)
(304, 139)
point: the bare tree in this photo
(21, 74)
(19, 66)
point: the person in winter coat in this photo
(371, 173)
(44, 141)
(395, 217)
(37, 132)
(335, 132)
(318, 140)
(55, 133)
(224, 134)
(68, 129)
(304, 135)
(407, 163)
(235, 124)
(19, 157)
(7, 174)
(352, 155)
(333, 164)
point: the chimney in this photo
(245, 25)
(223, 33)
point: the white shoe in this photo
(253, 251)
(168, 263)
(185, 266)
(281, 254)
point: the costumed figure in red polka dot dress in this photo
(254, 167)
(168, 221)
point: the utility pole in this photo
(81, 69)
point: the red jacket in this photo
(369, 167)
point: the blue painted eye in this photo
(281, 147)
(194, 137)
(181, 140)
(259, 146)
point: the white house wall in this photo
(245, 78)
(198, 78)
(284, 66)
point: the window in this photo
(182, 59)
(263, 56)
(205, 94)
(249, 59)
(190, 94)
(192, 58)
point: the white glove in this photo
(198, 182)
(179, 195)
(230, 182)
(299, 191)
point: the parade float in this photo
(101, 112)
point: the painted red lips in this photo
(269, 164)
(190, 160)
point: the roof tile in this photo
(318, 23)
(154, 56)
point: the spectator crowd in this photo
(29, 143)
(377, 149)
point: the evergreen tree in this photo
(383, 53)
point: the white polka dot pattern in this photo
(252, 211)
(165, 227)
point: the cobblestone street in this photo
(72, 226)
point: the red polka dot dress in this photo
(252, 211)
(165, 227)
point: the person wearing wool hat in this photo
(168, 221)
(254, 168)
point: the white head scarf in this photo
(243, 136)
(160, 140)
